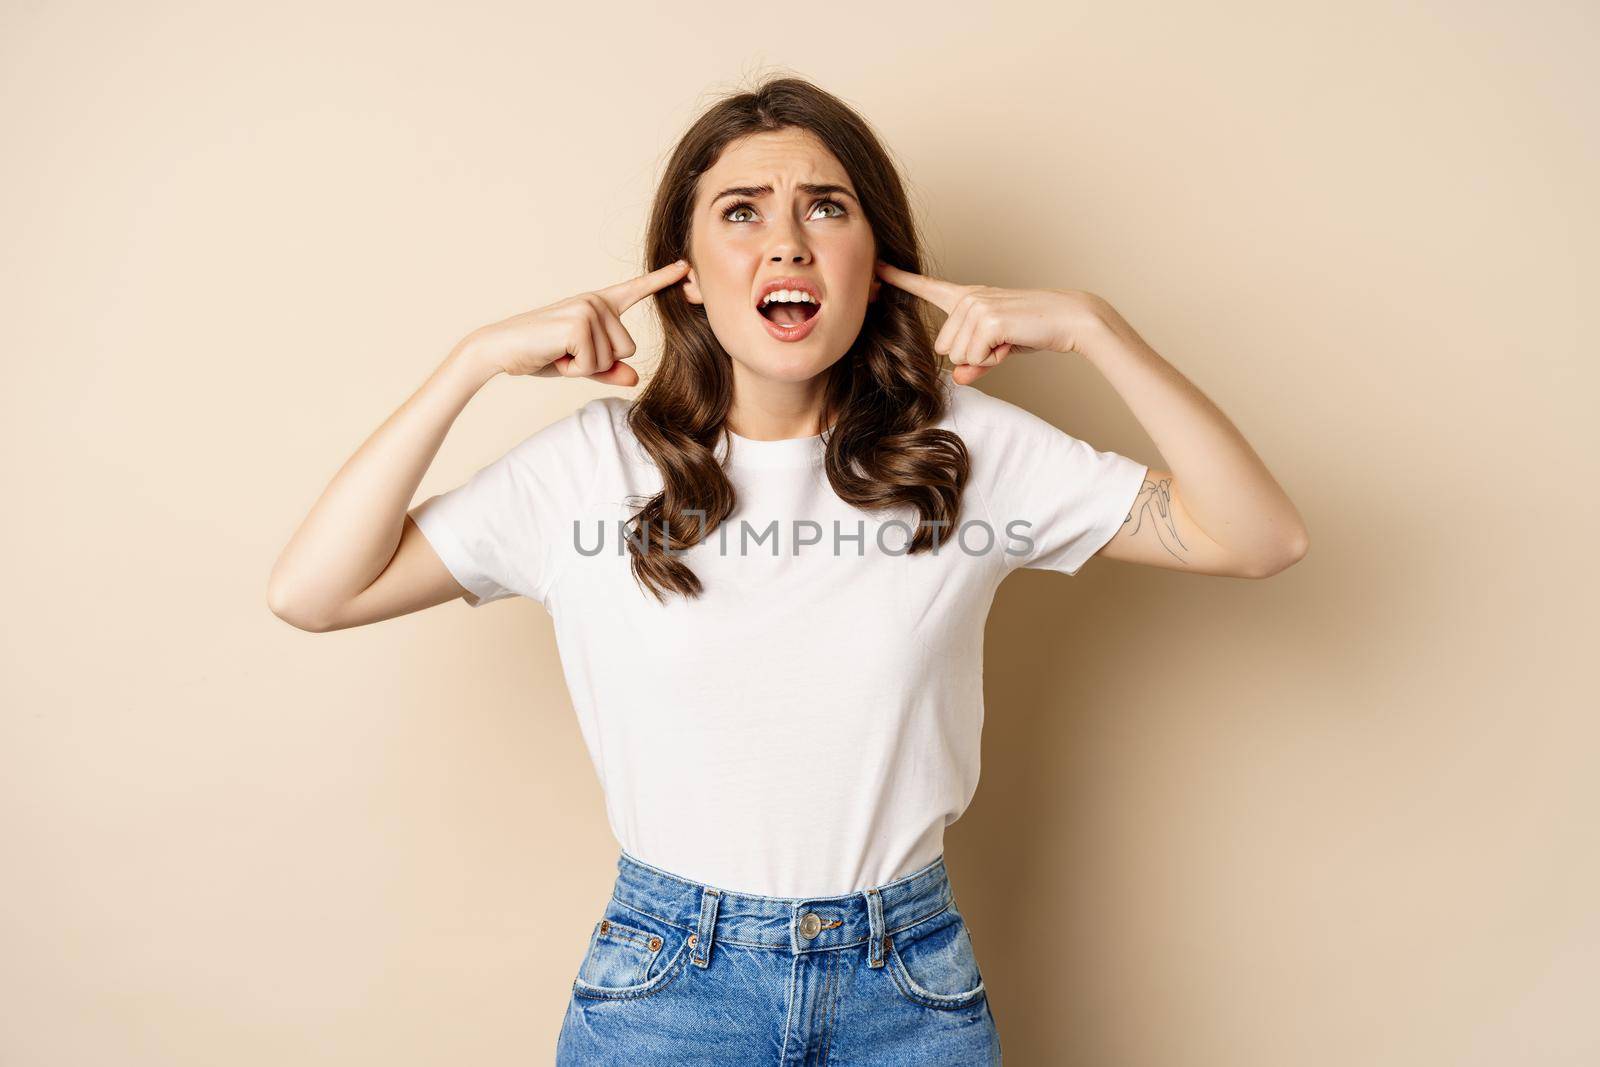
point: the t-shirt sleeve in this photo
(500, 532)
(1055, 499)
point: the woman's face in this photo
(776, 227)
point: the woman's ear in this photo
(691, 288)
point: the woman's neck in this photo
(767, 410)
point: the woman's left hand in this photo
(986, 324)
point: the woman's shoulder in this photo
(606, 425)
(974, 412)
(607, 413)
(593, 429)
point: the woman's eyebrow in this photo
(810, 188)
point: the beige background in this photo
(1343, 816)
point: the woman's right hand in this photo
(579, 337)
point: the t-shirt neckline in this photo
(785, 452)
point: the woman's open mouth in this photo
(789, 314)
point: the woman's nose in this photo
(788, 244)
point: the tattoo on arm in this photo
(1155, 500)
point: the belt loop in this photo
(877, 941)
(701, 956)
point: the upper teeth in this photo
(788, 296)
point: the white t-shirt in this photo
(810, 724)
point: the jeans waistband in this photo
(867, 917)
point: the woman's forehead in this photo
(766, 160)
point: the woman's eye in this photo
(729, 214)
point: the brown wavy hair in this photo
(882, 449)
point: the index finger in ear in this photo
(624, 295)
(936, 291)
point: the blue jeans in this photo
(682, 973)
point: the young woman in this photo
(769, 574)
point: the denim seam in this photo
(828, 1016)
(675, 972)
(921, 873)
(627, 933)
(938, 1001)
(784, 944)
(958, 1000)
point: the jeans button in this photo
(810, 925)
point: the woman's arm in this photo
(1218, 510)
(326, 577)
(358, 557)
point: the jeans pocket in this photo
(934, 964)
(630, 955)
